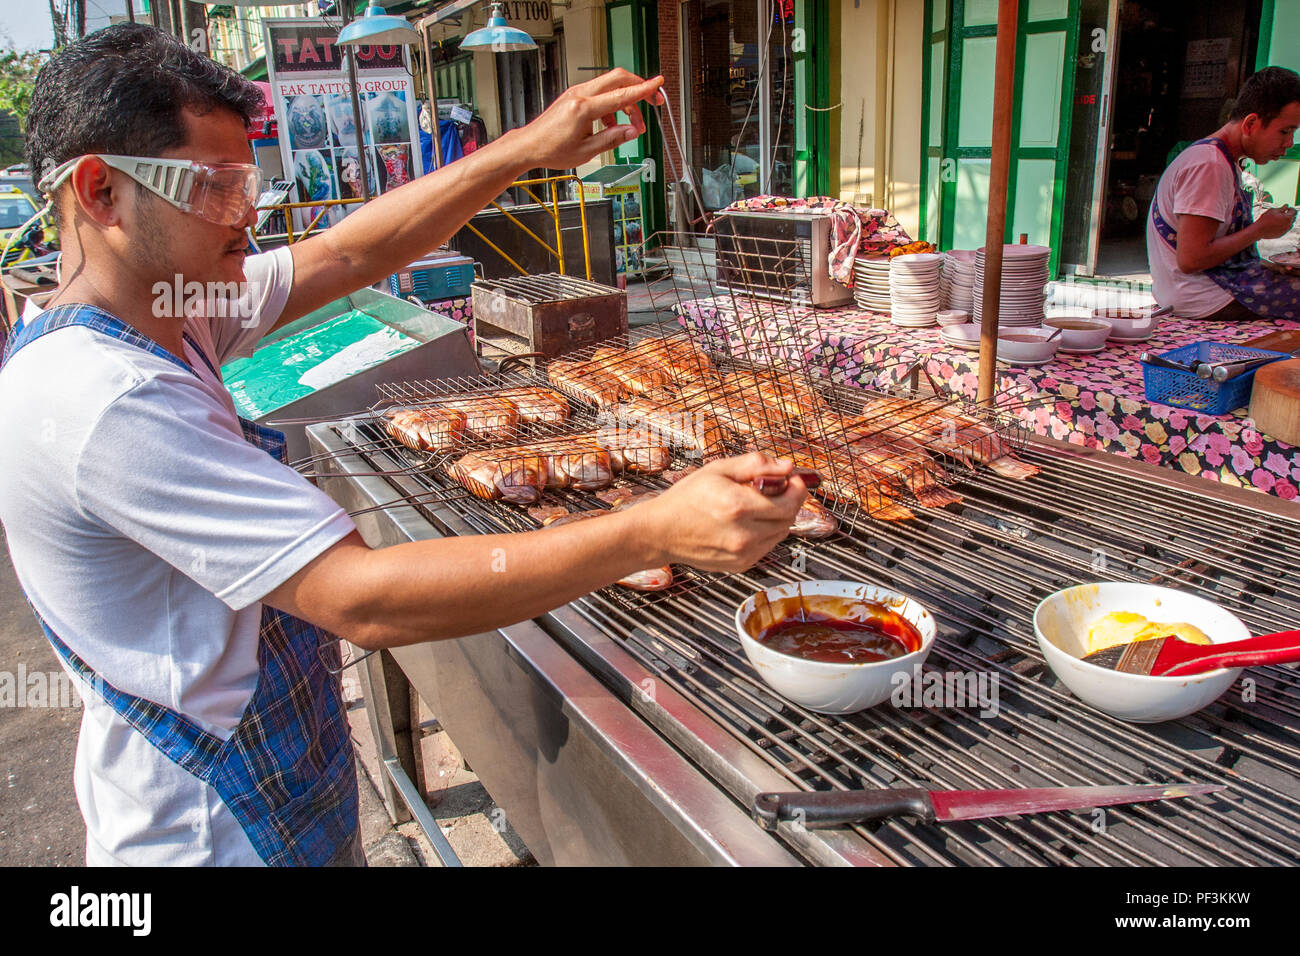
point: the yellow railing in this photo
(288, 207)
(553, 206)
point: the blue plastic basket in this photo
(1165, 386)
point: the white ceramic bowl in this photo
(1079, 334)
(834, 688)
(953, 317)
(1128, 323)
(962, 336)
(1029, 345)
(1061, 625)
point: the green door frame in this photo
(644, 62)
(933, 150)
(956, 34)
(812, 99)
(1276, 174)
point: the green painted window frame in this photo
(955, 36)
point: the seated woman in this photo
(1201, 233)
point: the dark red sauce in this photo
(837, 630)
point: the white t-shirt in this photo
(1199, 182)
(145, 530)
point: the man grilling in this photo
(184, 575)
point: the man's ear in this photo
(97, 192)
(1251, 124)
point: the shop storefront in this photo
(1107, 92)
(750, 92)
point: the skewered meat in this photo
(651, 579)
(600, 389)
(425, 429)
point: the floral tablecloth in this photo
(1092, 400)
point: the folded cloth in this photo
(854, 231)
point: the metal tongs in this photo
(773, 486)
(1222, 371)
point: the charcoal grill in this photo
(552, 313)
(627, 728)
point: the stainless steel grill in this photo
(980, 567)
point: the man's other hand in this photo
(567, 135)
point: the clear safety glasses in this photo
(218, 192)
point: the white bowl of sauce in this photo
(834, 646)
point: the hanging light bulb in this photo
(498, 36)
(377, 28)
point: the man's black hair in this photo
(1267, 93)
(121, 90)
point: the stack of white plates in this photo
(871, 284)
(1024, 284)
(958, 284)
(914, 289)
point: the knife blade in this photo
(819, 810)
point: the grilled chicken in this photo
(696, 430)
(518, 479)
(813, 520)
(537, 405)
(425, 429)
(637, 374)
(951, 432)
(580, 380)
(633, 451)
(842, 477)
(902, 460)
(487, 417)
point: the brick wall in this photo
(670, 60)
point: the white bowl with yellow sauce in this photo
(1062, 622)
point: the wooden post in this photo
(1003, 107)
(433, 98)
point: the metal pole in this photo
(357, 126)
(433, 97)
(130, 10)
(1003, 107)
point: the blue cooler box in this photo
(434, 278)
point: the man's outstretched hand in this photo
(582, 123)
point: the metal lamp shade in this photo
(498, 36)
(378, 29)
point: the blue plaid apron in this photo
(1265, 293)
(287, 772)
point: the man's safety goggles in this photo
(219, 192)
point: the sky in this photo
(26, 23)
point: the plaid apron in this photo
(1265, 293)
(287, 772)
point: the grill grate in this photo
(981, 568)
